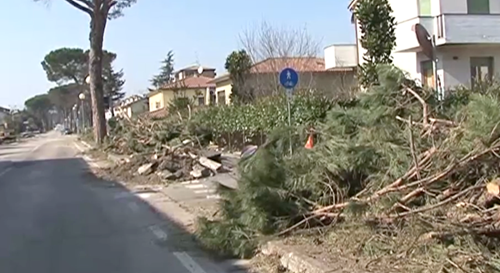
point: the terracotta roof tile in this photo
(301, 64)
(191, 83)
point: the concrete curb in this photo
(86, 144)
(293, 260)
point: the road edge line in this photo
(188, 262)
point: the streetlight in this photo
(81, 96)
(75, 120)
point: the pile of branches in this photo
(395, 154)
(166, 148)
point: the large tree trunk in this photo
(97, 27)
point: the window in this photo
(221, 97)
(427, 74)
(481, 69)
(212, 96)
(478, 6)
(157, 105)
(425, 7)
(201, 100)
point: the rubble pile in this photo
(163, 149)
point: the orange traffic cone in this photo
(310, 142)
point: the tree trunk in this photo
(97, 27)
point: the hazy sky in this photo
(201, 30)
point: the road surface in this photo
(56, 217)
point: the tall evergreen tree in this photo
(238, 64)
(378, 38)
(166, 71)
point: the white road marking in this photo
(144, 195)
(36, 148)
(214, 196)
(90, 161)
(159, 233)
(5, 171)
(78, 147)
(195, 186)
(205, 191)
(190, 182)
(123, 195)
(86, 144)
(133, 206)
(188, 262)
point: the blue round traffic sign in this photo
(289, 78)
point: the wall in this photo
(224, 86)
(457, 71)
(340, 56)
(137, 108)
(158, 97)
(460, 6)
(326, 82)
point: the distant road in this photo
(56, 217)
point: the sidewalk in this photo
(180, 202)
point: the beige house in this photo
(188, 83)
(263, 78)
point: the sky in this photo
(198, 31)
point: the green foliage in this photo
(235, 125)
(361, 146)
(68, 67)
(377, 26)
(238, 64)
(39, 107)
(166, 74)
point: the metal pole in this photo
(434, 68)
(83, 117)
(288, 98)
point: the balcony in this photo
(406, 40)
(450, 29)
(467, 29)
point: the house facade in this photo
(314, 75)
(130, 107)
(188, 83)
(4, 112)
(465, 33)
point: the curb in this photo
(86, 144)
(293, 260)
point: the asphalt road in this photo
(56, 217)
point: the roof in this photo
(301, 64)
(130, 100)
(352, 4)
(187, 83)
(4, 110)
(223, 77)
(194, 67)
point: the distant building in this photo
(4, 112)
(189, 84)
(130, 107)
(330, 75)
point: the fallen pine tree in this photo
(395, 160)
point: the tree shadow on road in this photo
(170, 225)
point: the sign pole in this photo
(289, 79)
(288, 104)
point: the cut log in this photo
(212, 165)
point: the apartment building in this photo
(466, 37)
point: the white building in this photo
(466, 34)
(340, 55)
(4, 112)
(130, 107)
